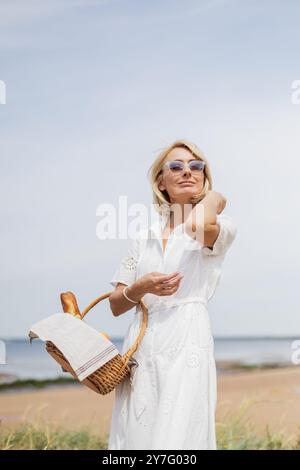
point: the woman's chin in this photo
(187, 190)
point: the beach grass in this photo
(235, 432)
(30, 436)
(36, 383)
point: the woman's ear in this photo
(160, 185)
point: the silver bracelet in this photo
(126, 297)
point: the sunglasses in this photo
(177, 166)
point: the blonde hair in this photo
(161, 199)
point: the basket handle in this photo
(70, 305)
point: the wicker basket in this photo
(107, 377)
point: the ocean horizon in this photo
(31, 361)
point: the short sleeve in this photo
(227, 234)
(126, 272)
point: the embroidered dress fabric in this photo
(84, 347)
(126, 273)
(171, 402)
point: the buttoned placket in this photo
(157, 229)
(149, 359)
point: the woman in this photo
(172, 401)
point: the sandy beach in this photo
(272, 398)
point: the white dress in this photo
(172, 400)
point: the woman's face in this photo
(185, 184)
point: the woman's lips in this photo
(190, 183)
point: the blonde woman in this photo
(172, 401)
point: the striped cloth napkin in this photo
(84, 347)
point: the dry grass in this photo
(235, 432)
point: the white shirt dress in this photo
(172, 400)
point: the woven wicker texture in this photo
(107, 377)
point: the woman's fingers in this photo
(174, 279)
(173, 282)
(166, 284)
(170, 278)
(169, 291)
(171, 288)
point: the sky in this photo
(94, 90)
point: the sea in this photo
(31, 361)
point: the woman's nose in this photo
(186, 170)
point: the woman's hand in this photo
(217, 199)
(151, 283)
(159, 283)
